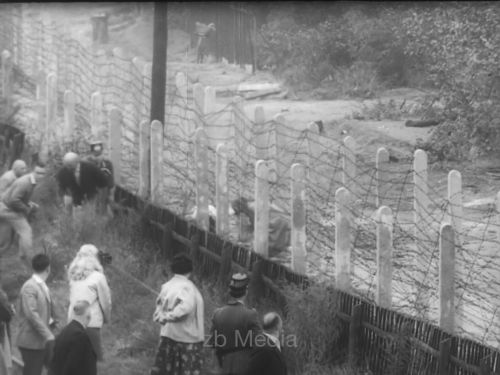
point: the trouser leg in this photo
(33, 361)
(21, 226)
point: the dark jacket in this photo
(91, 178)
(106, 167)
(73, 352)
(234, 330)
(266, 360)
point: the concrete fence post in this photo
(181, 83)
(7, 68)
(447, 278)
(221, 191)
(202, 189)
(259, 133)
(261, 221)
(420, 206)
(214, 133)
(497, 205)
(51, 104)
(343, 240)
(455, 203)
(69, 114)
(312, 144)
(349, 165)
(420, 191)
(298, 204)
(115, 124)
(146, 93)
(383, 296)
(96, 115)
(272, 147)
(156, 156)
(238, 150)
(199, 104)
(209, 100)
(382, 163)
(144, 155)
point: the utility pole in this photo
(159, 69)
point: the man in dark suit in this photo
(266, 358)
(36, 310)
(79, 181)
(106, 195)
(235, 328)
(73, 352)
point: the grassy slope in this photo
(131, 338)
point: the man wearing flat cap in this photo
(235, 328)
(179, 310)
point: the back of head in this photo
(83, 266)
(181, 264)
(88, 250)
(39, 170)
(70, 160)
(271, 322)
(238, 286)
(19, 167)
(40, 263)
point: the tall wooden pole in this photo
(159, 71)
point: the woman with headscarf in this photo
(179, 310)
(88, 282)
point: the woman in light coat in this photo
(88, 282)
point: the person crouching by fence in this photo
(16, 208)
(88, 283)
(179, 310)
(79, 181)
(18, 169)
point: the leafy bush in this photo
(458, 46)
(338, 40)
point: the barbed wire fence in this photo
(105, 82)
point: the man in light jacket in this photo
(35, 338)
(18, 169)
(16, 206)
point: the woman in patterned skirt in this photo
(179, 309)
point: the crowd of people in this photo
(242, 341)
(77, 347)
(81, 182)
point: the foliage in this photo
(306, 53)
(356, 50)
(458, 45)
